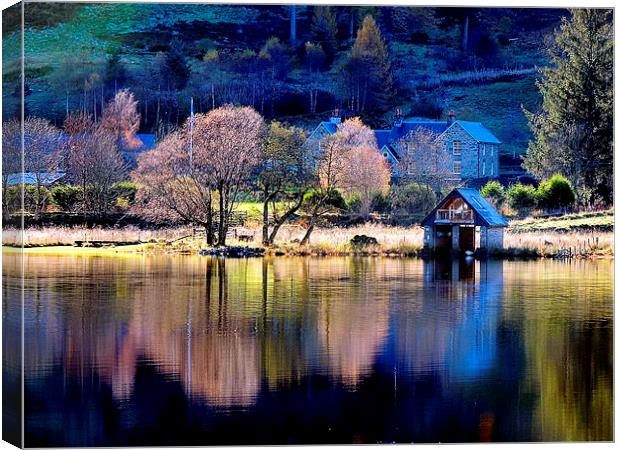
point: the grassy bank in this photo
(568, 236)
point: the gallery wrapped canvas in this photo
(242, 224)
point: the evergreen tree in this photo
(368, 71)
(176, 64)
(323, 30)
(573, 132)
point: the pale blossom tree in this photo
(366, 173)
(172, 185)
(196, 173)
(122, 119)
(229, 141)
(424, 159)
(332, 167)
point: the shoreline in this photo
(150, 249)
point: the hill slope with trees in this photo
(293, 63)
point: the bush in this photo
(413, 198)
(335, 199)
(380, 202)
(521, 196)
(67, 197)
(14, 195)
(354, 203)
(494, 191)
(124, 190)
(555, 193)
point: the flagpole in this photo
(191, 134)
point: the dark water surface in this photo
(163, 350)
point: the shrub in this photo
(335, 199)
(67, 197)
(125, 190)
(413, 198)
(555, 193)
(494, 191)
(380, 202)
(354, 203)
(521, 196)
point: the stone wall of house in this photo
(489, 160)
(491, 238)
(469, 150)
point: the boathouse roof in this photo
(484, 213)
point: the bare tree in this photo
(424, 159)
(121, 119)
(174, 184)
(41, 142)
(366, 173)
(11, 158)
(332, 164)
(228, 140)
(93, 162)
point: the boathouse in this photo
(454, 222)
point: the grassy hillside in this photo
(489, 82)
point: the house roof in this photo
(479, 132)
(46, 178)
(485, 213)
(407, 126)
(383, 137)
(331, 127)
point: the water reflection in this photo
(186, 350)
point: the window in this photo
(385, 154)
(457, 168)
(484, 168)
(456, 148)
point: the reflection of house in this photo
(473, 148)
(452, 223)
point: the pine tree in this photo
(324, 30)
(573, 132)
(368, 70)
(176, 64)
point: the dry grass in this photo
(550, 244)
(53, 236)
(324, 241)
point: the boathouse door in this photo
(443, 237)
(467, 238)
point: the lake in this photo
(191, 350)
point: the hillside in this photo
(76, 55)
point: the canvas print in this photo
(288, 224)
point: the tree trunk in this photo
(210, 237)
(306, 238)
(266, 201)
(221, 237)
(285, 218)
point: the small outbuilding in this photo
(453, 223)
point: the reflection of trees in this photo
(568, 345)
(353, 320)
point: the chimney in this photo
(451, 117)
(335, 118)
(398, 118)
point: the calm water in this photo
(194, 350)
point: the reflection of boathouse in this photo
(452, 224)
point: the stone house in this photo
(472, 148)
(464, 221)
